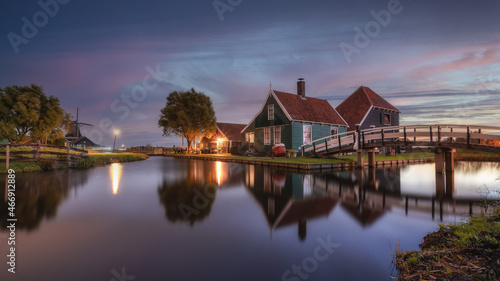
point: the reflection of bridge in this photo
(445, 138)
(288, 198)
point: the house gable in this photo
(357, 107)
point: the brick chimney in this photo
(301, 87)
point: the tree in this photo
(27, 114)
(187, 114)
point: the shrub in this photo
(235, 150)
(49, 164)
(243, 149)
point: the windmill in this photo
(75, 131)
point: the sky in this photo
(117, 61)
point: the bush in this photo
(235, 150)
(59, 142)
(48, 164)
(243, 149)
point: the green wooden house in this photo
(292, 119)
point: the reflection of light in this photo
(218, 166)
(116, 173)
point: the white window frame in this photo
(270, 112)
(277, 135)
(304, 132)
(333, 131)
(267, 136)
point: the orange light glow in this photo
(218, 166)
(115, 171)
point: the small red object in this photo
(279, 150)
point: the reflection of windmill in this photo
(74, 132)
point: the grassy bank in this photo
(466, 251)
(474, 155)
(93, 160)
(309, 160)
(96, 160)
(382, 157)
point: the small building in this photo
(292, 119)
(228, 135)
(82, 142)
(77, 140)
(368, 109)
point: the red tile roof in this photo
(231, 131)
(354, 108)
(309, 109)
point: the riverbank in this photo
(308, 163)
(465, 251)
(93, 160)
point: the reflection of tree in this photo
(190, 196)
(38, 195)
(475, 167)
(187, 201)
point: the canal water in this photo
(178, 219)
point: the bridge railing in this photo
(331, 143)
(471, 136)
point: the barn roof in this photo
(309, 109)
(354, 108)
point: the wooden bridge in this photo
(445, 138)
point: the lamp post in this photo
(116, 133)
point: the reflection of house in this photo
(288, 198)
(292, 120)
(227, 136)
(368, 109)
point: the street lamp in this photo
(116, 133)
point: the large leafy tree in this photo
(27, 114)
(187, 114)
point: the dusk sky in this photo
(436, 61)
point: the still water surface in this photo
(173, 219)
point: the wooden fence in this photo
(37, 152)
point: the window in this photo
(387, 119)
(270, 112)
(247, 137)
(277, 135)
(333, 131)
(267, 136)
(307, 134)
(251, 137)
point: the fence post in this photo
(326, 145)
(383, 138)
(404, 132)
(68, 157)
(7, 154)
(439, 134)
(451, 138)
(38, 151)
(359, 135)
(415, 137)
(468, 137)
(430, 140)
